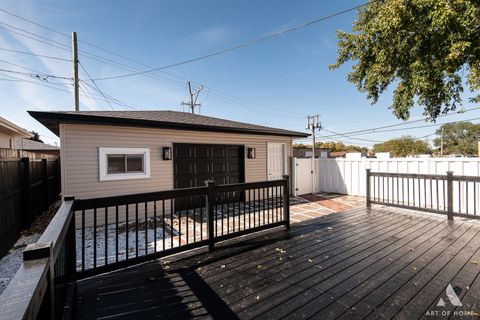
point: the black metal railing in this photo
(92, 236)
(445, 194)
(113, 232)
(43, 286)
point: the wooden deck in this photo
(380, 263)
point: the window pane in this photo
(135, 163)
(116, 163)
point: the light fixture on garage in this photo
(167, 153)
(251, 153)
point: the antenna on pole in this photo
(76, 99)
(193, 98)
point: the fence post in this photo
(286, 201)
(210, 200)
(368, 201)
(26, 191)
(45, 183)
(450, 195)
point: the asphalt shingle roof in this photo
(170, 119)
(27, 144)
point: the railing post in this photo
(210, 203)
(286, 201)
(450, 195)
(368, 201)
(37, 251)
(26, 191)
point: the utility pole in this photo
(441, 145)
(313, 123)
(76, 100)
(193, 98)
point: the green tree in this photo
(403, 146)
(429, 49)
(35, 137)
(458, 138)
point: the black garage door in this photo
(195, 163)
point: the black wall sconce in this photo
(167, 153)
(251, 153)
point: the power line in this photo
(352, 138)
(36, 83)
(243, 45)
(112, 99)
(35, 54)
(39, 76)
(378, 129)
(219, 95)
(98, 89)
(417, 127)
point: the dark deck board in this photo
(378, 263)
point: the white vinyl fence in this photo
(349, 176)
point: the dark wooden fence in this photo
(26, 188)
(454, 196)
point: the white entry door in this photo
(276, 163)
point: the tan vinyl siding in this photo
(6, 141)
(80, 145)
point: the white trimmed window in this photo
(124, 163)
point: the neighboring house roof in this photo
(12, 129)
(158, 119)
(338, 154)
(30, 145)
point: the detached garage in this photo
(106, 153)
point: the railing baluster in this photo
(419, 193)
(95, 237)
(194, 219)
(459, 197)
(222, 199)
(268, 205)
(163, 225)
(254, 208)
(171, 223)
(83, 240)
(116, 233)
(263, 205)
(155, 226)
(228, 213)
(466, 196)
(474, 198)
(437, 198)
(136, 229)
(146, 229)
(106, 235)
(425, 191)
(127, 244)
(179, 218)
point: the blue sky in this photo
(276, 83)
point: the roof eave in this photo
(52, 120)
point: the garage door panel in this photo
(202, 152)
(196, 163)
(202, 168)
(184, 167)
(183, 152)
(233, 153)
(218, 152)
(218, 167)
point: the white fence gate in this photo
(349, 176)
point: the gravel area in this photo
(11, 262)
